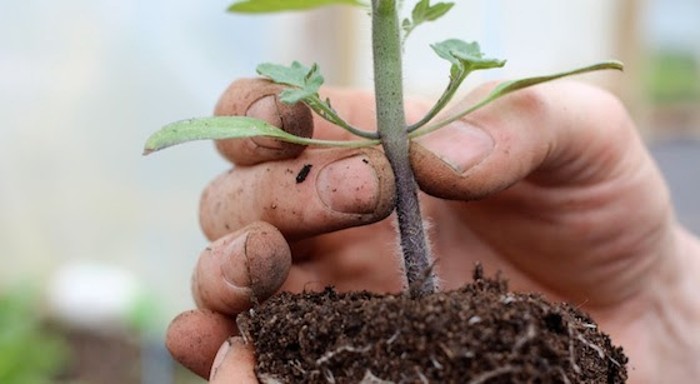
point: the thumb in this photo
(234, 363)
(554, 134)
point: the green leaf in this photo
(419, 11)
(423, 12)
(211, 128)
(265, 6)
(512, 86)
(305, 82)
(229, 127)
(436, 11)
(465, 56)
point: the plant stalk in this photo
(391, 124)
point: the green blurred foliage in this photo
(673, 76)
(29, 353)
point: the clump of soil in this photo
(479, 334)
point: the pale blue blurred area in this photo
(673, 24)
(519, 32)
(82, 84)
(679, 160)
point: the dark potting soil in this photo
(480, 334)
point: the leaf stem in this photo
(327, 112)
(391, 123)
(442, 102)
(508, 87)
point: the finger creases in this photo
(321, 191)
(554, 134)
(258, 98)
(241, 268)
(459, 164)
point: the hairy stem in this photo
(391, 123)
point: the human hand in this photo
(550, 185)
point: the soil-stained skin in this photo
(340, 188)
(196, 350)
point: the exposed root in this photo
(342, 349)
(393, 337)
(482, 378)
(448, 352)
(297, 366)
(572, 356)
(594, 347)
(328, 375)
(421, 376)
(269, 379)
(530, 333)
(369, 378)
(598, 349)
(436, 363)
(564, 378)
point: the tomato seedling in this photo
(389, 32)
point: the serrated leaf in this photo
(293, 75)
(466, 56)
(295, 95)
(212, 128)
(305, 82)
(266, 6)
(437, 11)
(423, 12)
(419, 11)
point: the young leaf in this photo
(265, 6)
(423, 12)
(305, 82)
(228, 127)
(466, 56)
(512, 86)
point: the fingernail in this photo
(349, 185)
(220, 357)
(235, 269)
(265, 109)
(459, 145)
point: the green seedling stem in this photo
(391, 123)
(388, 36)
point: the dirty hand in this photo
(550, 185)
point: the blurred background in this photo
(97, 242)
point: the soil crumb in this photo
(480, 334)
